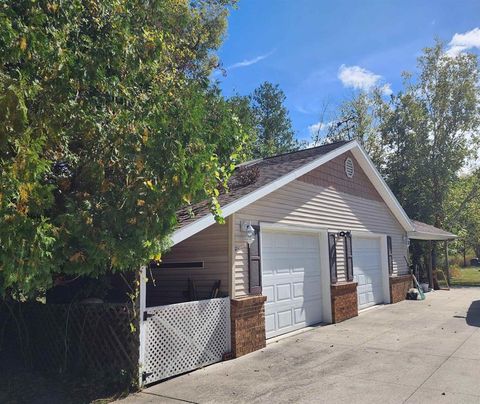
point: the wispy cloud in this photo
(249, 62)
(386, 89)
(361, 79)
(463, 42)
(319, 127)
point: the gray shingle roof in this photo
(428, 229)
(253, 175)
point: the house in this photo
(313, 236)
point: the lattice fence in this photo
(90, 339)
(185, 336)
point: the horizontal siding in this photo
(341, 273)
(210, 246)
(300, 203)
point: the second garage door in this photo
(367, 271)
(291, 281)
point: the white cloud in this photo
(361, 79)
(463, 42)
(386, 89)
(319, 127)
(249, 62)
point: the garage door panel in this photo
(285, 318)
(284, 292)
(269, 291)
(270, 323)
(299, 314)
(367, 271)
(298, 289)
(291, 281)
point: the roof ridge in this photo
(260, 159)
(308, 148)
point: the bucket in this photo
(425, 287)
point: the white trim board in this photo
(419, 235)
(359, 154)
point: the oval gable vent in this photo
(349, 167)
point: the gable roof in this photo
(271, 173)
(424, 231)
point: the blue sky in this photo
(320, 52)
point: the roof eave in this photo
(382, 187)
(202, 223)
(353, 146)
(419, 235)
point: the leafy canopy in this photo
(263, 113)
(422, 136)
(108, 125)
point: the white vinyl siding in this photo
(302, 204)
(211, 247)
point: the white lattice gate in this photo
(185, 336)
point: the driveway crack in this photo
(439, 366)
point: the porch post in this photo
(446, 262)
(142, 331)
(430, 263)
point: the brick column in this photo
(399, 286)
(344, 301)
(248, 324)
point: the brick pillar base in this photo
(248, 324)
(344, 301)
(399, 286)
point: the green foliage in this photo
(264, 115)
(275, 134)
(463, 212)
(358, 118)
(466, 277)
(429, 132)
(421, 137)
(109, 125)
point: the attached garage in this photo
(311, 236)
(291, 280)
(367, 271)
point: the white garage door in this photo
(367, 271)
(291, 281)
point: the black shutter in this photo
(332, 253)
(390, 255)
(254, 266)
(349, 257)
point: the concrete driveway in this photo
(414, 352)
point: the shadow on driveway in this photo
(473, 314)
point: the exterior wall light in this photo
(343, 233)
(250, 232)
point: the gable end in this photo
(332, 175)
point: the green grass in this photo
(469, 276)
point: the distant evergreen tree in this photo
(275, 134)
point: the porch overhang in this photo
(424, 231)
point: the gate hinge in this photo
(147, 315)
(145, 375)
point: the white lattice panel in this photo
(185, 336)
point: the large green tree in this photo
(108, 123)
(357, 118)
(274, 132)
(422, 136)
(430, 131)
(463, 211)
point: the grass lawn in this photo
(469, 276)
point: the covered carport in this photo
(432, 235)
